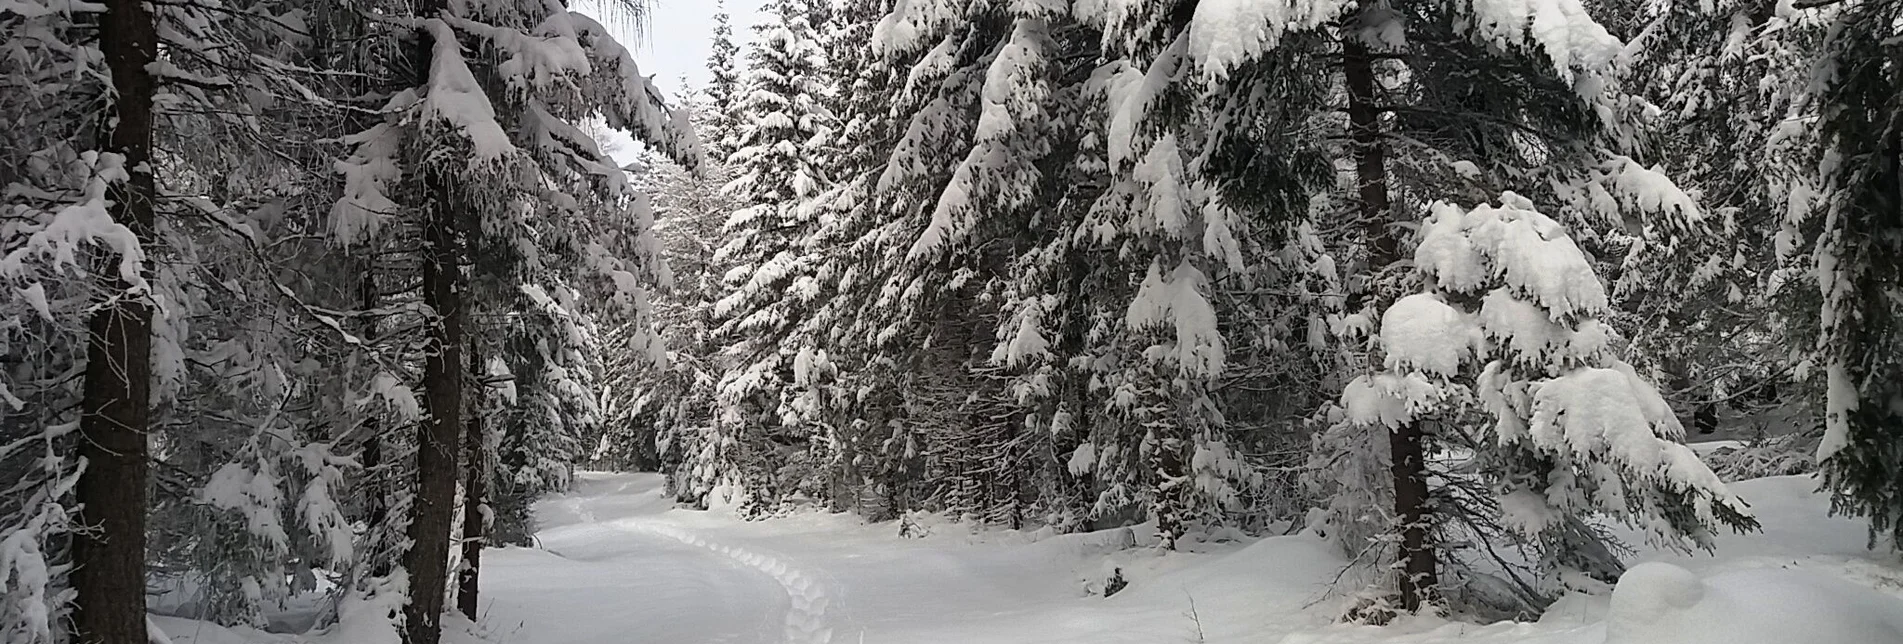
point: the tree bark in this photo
(438, 440)
(475, 499)
(115, 413)
(1406, 452)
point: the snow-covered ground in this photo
(618, 564)
(621, 565)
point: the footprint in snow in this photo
(807, 619)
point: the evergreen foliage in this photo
(305, 297)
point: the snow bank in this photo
(1657, 602)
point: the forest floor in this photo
(618, 564)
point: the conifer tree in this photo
(1421, 125)
(1857, 251)
(1575, 432)
(668, 413)
(502, 141)
(764, 421)
(1725, 292)
(719, 116)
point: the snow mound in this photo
(1657, 602)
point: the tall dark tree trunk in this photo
(1406, 452)
(438, 441)
(116, 412)
(475, 498)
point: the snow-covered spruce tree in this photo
(719, 119)
(960, 193)
(1188, 145)
(1855, 238)
(1509, 321)
(265, 396)
(876, 463)
(1001, 196)
(1419, 84)
(1727, 79)
(1716, 312)
(768, 442)
(50, 173)
(544, 373)
(665, 417)
(489, 146)
(195, 354)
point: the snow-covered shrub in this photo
(1781, 455)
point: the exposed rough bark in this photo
(116, 412)
(438, 440)
(1376, 207)
(475, 501)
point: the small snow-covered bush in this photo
(1782, 455)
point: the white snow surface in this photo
(619, 564)
(1422, 332)
(1660, 602)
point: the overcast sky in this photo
(679, 32)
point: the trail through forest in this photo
(620, 563)
(600, 580)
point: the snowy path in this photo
(619, 564)
(611, 574)
(806, 618)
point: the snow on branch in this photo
(1225, 34)
(628, 101)
(537, 59)
(997, 174)
(85, 221)
(369, 174)
(454, 97)
(912, 22)
(1516, 244)
(1176, 301)
(1577, 44)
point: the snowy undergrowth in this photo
(360, 622)
(620, 564)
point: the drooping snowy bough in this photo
(1508, 325)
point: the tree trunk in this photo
(438, 439)
(475, 499)
(1376, 212)
(438, 442)
(115, 414)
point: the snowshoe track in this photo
(807, 620)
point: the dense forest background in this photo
(317, 296)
